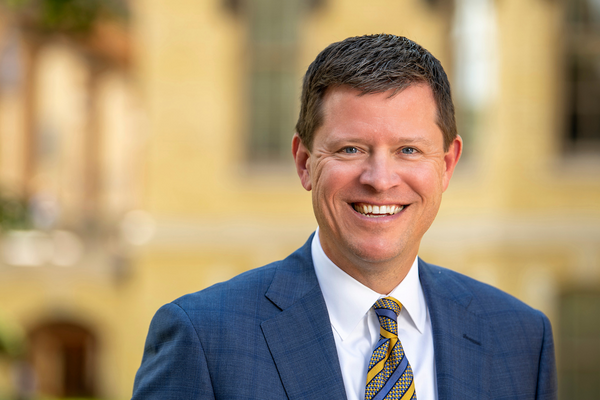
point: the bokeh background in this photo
(145, 154)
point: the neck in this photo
(382, 276)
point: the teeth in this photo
(372, 210)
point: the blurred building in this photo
(145, 154)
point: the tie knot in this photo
(388, 303)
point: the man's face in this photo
(377, 171)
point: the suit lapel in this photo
(462, 339)
(300, 337)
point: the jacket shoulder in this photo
(479, 297)
(281, 281)
(241, 288)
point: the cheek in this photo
(334, 176)
(424, 179)
(334, 182)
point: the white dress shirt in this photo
(356, 328)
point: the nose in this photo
(379, 173)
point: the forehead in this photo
(348, 111)
(418, 89)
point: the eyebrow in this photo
(360, 139)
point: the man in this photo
(354, 313)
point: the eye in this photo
(350, 150)
(408, 150)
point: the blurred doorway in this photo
(63, 356)
(579, 345)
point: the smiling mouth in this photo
(374, 211)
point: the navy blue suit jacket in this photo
(266, 335)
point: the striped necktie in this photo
(390, 375)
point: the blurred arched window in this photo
(63, 356)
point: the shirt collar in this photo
(348, 300)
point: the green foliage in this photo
(12, 343)
(67, 16)
(66, 398)
(14, 214)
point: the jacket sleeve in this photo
(174, 365)
(547, 381)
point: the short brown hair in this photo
(373, 64)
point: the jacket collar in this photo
(461, 337)
(300, 337)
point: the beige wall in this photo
(519, 213)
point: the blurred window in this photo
(583, 80)
(274, 80)
(475, 64)
(579, 349)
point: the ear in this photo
(451, 159)
(301, 159)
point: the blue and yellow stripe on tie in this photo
(389, 373)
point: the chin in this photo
(378, 254)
